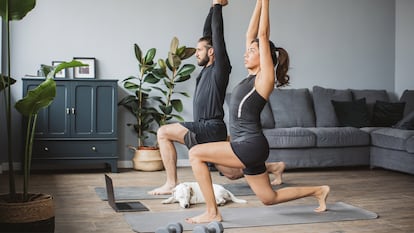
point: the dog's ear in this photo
(191, 191)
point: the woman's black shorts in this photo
(253, 152)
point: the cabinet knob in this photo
(73, 111)
(94, 148)
(67, 111)
(46, 149)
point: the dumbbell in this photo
(171, 228)
(213, 227)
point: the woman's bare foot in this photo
(277, 170)
(204, 218)
(322, 195)
(163, 190)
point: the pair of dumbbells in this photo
(213, 227)
(171, 228)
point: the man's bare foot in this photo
(204, 218)
(322, 195)
(163, 190)
(276, 169)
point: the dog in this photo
(188, 193)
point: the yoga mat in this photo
(252, 217)
(141, 193)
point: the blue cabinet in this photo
(80, 125)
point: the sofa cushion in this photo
(352, 113)
(340, 137)
(387, 114)
(371, 96)
(324, 110)
(406, 123)
(292, 108)
(408, 98)
(294, 137)
(391, 138)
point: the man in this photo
(210, 91)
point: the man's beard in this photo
(204, 61)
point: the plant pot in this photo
(147, 159)
(36, 215)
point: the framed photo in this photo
(60, 74)
(85, 71)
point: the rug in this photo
(141, 193)
(243, 217)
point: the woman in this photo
(248, 148)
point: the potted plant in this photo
(171, 71)
(141, 101)
(138, 104)
(25, 212)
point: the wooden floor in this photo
(387, 193)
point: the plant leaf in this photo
(177, 105)
(174, 45)
(138, 53)
(18, 9)
(186, 70)
(37, 98)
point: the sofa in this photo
(325, 127)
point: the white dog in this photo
(188, 193)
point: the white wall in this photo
(404, 46)
(332, 43)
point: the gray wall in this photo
(404, 46)
(364, 44)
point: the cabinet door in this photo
(52, 121)
(94, 104)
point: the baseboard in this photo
(120, 164)
(128, 163)
(5, 167)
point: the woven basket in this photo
(38, 213)
(148, 159)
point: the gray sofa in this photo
(334, 128)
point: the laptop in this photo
(130, 206)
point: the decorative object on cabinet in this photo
(60, 74)
(85, 71)
(79, 127)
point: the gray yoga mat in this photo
(252, 217)
(141, 193)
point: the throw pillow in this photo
(407, 122)
(324, 110)
(387, 114)
(352, 113)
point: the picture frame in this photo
(85, 71)
(60, 74)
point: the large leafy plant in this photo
(11, 10)
(30, 105)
